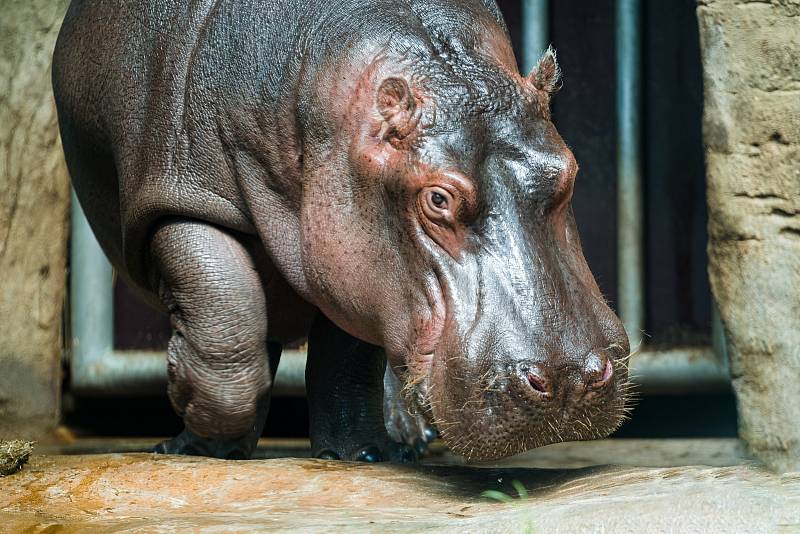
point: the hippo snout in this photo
(497, 399)
(594, 374)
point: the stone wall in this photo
(34, 202)
(751, 60)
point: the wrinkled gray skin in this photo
(375, 175)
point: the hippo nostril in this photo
(537, 383)
(607, 372)
(598, 370)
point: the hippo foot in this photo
(411, 430)
(189, 444)
(403, 422)
(371, 453)
(421, 443)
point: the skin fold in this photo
(376, 176)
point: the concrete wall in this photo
(34, 203)
(751, 59)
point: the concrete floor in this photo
(140, 492)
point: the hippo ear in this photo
(398, 107)
(546, 76)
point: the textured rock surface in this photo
(34, 200)
(751, 60)
(147, 493)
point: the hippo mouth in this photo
(429, 329)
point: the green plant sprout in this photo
(506, 498)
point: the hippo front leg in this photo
(344, 385)
(218, 362)
(403, 422)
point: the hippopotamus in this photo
(378, 177)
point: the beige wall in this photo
(34, 203)
(751, 63)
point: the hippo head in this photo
(440, 228)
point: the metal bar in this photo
(676, 371)
(535, 32)
(130, 373)
(91, 304)
(680, 370)
(630, 213)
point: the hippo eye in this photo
(444, 211)
(437, 201)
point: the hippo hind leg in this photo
(219, 362)
(344, 385)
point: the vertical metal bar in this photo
(630, 214)
(91, 300)
(535, 32)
